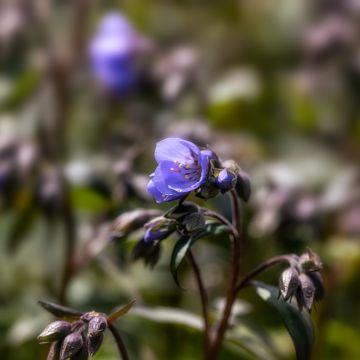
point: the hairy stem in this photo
(262, 267)
(233, 279)
(119, 342)
(204, 300)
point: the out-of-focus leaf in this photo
(297, 323)
(121, 311)
(169, 315)
(22, 89)
(60, 311)
(21, 225)
(86, 199)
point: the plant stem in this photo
(70, 244)
(119, 342)
(204, 301)
(231, 289)
(264, 266)
(222, 219)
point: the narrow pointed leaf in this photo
(60, 311)
(120, 312)
(180, 250)
(297, 323)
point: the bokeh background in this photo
(273, 84)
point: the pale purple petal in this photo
(158, 196)
(176, 149)
(175, 178)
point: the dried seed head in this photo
(97, 325)
(57, 330)
(71, 345)
(95, 343)
(310, 261)
(288, 283)
(319, 285)
(307, 294)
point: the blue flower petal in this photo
(179, 180)
(160, 192)
(176, 149)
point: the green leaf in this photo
(180, 250)
(60, 311)
(297, 323)
(86, 199)
(121, 311)
(22, 89)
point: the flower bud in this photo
(310, 261)
(319, 285)
(94, 343)
(57, 330)
(54, 352)
(226, 180)
(243, 186)
(71, 345)
(159, 229)
(97, 325)
(288, 283)
(306, 293)
(182, 210)
(207, 191)
(194, 222)
(132, 220)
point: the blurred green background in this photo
(273, 84)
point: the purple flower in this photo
(182, 168)
(112, 52)
(226, 180)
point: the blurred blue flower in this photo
(182, 168)
(226, 180)
(112, 51)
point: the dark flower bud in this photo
(83, 353)
(319, 285)
(159, 229)
(57, 330)
(94, 343)
(132, 220)
(149, 251)
(310, 261)
(306, 292)
(288, 283)
(97, 325)
(226, 180)
(182, 210)
(54, 352)
(71, 345)
(243, 185)
(194, 222)
(207, 191)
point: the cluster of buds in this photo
(77, 340)
(184, 219)
(223, 177)
(81, 337)
(303, 280)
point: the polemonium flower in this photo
(112, 52)
(182, 168)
